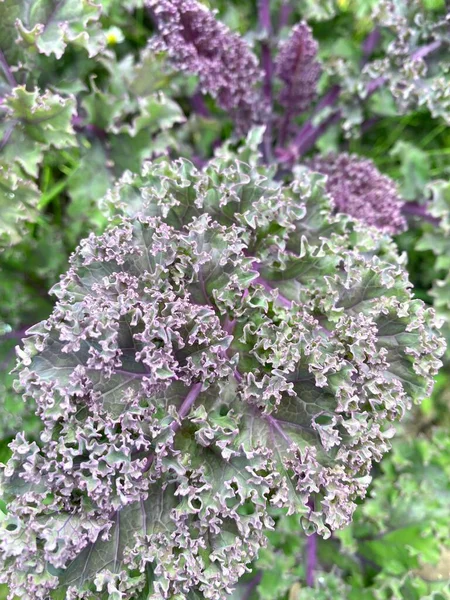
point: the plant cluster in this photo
(234, 338)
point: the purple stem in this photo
(186, 405)
(268, 72)
(274, 424)
(264, 15)
(309, 134)
(198, 161)
(79, 125)
(77, 121)
(308, 142)
(369, 123)
(285, 13)
(281, 299)
(148, 463)
(251, 585)
(330, 98)
(199, 106)
(229, 325)
(373, 85)
(311, 559)
(426, 50)
(184, 409)
(267, 64)
(17, 334)
(237, 376)
(369, 45)
(419, 210)
(7, 71)
(311, 553)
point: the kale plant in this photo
(227, 345)
(236, 338)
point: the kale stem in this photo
(229, 325)
(311, 553)
(280, 298)
(285, 13)
(267, 64)
(183, 411)
(266, 26)
(17, 334)
(187, 404)
(7, 71)
(373, 85)
(88, 128)
(199, 106)
(309, 133)
(369, 45)
(425, 50)
(252, 584)
(419, 210)
(311, 559)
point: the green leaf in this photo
(149, 517)
(18, 200)
(103, 108)
(87, 184)
(35, 123)
(414, 168)
(50, 25)
(156, 112)
(17, 415)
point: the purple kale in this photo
(299, 70)
(360, 190)
(227, 347)
(197, 43)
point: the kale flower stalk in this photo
(268, 67)
(299, 70)
(414, 69)
(360, 190)
(226, 346)
(196, 43)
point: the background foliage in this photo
(89, 102)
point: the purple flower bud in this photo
(360, 190)
(196, 43)
(298, 68)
